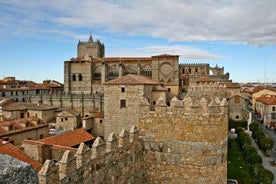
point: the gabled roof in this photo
(15, 152)
(69, 139)
(131, 79)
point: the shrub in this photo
(266, 143)
(239, 130)
(235, 124)
(265, 176)
(248, 150)
(254, 127)
(244, 139)
(254, 158)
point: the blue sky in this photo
(36, 37)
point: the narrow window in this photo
(237, 117)
(154, 102)
(122, 90)
(74, 77)
(80, 77)
(273, 108)
(101, 121)
(123, 104)
(169, 89)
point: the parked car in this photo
(232, 181)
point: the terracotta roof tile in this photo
(131, 79)
(15, 152)
(69, 139)
(267, 100)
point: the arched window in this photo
(146, 71)
(74, 77)
(80, 77)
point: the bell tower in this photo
(94, 49)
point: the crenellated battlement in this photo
(117, 160)
(202, 98)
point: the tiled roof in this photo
(267, 100)
(17, 125)
(15, 152)
(159, 88)
(69, 139)
(131, 79)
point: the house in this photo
(237, 108)
(68, 120)
(266, 107)
(46, 113)
(53, 147)
(13, 151)
(16, 130)
(258, 92)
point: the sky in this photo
(37, 36)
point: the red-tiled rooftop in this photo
(131, 79)
(15, 152)
(69, 139)
(267, 100)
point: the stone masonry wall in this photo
(186, 142)
(118, 160)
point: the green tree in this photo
(248, 150)
(254, 158)
(254, 127)
(266, 144)
(244, 139)
(265, 176)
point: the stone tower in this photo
(91, 49)
(187, 142)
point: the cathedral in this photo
(87, 73)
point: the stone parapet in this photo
(118, 160)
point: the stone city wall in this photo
(118, 160)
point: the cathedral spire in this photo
(90, 38)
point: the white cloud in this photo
(185, 53)
(251, 22)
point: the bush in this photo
(266, 143)
(244, 139)
(265, 176)
(239, 130)
(248, 150)
(254, 158)
(254, 127)
(235, 124)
